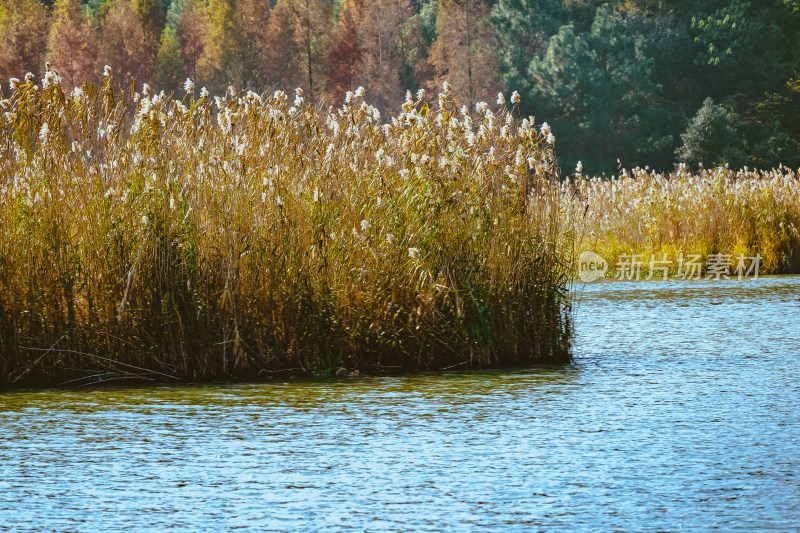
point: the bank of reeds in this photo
(192, 237)
(716, 211)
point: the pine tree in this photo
(524, 28)
(711, 139)
(72, 44)
(596, 88)
(464, 50)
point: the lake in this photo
(681, 411)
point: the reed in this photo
(152, 236)
(713, 211)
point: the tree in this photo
(464, 50)
(772, 127)
(219, 45)
(597, 90)
(380, 33)
(23, 37)
(192, 36)
(524, 28)
(711, 139)
(283, 50)
(313, 28)
(420, 33)
(152, 18)
(407, 36)
(169, 68)
(124, 45)
(251, 19)
(743, 46)
(174, 13)
(344, 62)
(72, 44)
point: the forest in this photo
(623, 84)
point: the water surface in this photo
(680, 412)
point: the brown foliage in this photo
(124, 45)
(251, 23)
(313, 25)
(380, 34)
(344, 62)
(193, 35)
(23, 37)
(463, 52)
(72, 44)
(282, 54)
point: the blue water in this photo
(681, 411)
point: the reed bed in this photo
(190, 237)
(715, 211)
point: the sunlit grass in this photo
(254, 235)
(713, 211)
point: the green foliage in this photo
(744, 44)
(711, 139)
(174, 12)
(524, 28)
(169, 68)
(597, 88)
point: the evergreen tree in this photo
(597, 90)
(711, 139)
(524, 28)
(743, 46)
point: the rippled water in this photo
(681, 411)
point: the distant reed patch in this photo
(713, 211)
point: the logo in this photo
(591, 267)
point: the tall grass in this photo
(712, 211)
(244, 235)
